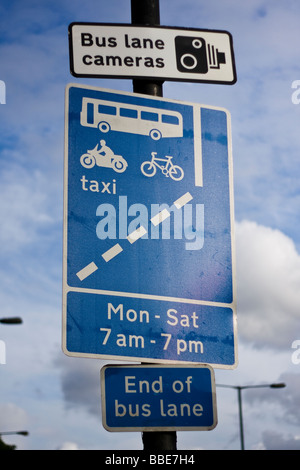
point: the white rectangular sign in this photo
(127, 51)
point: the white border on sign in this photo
(159, 428)
(215, 39)
(67, 288)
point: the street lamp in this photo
(11, 320)
(239, 390)
(21, 433)
(3, 445)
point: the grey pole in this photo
(239, 390)
(146, 12)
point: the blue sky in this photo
(57, 398)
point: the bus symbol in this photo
(134, 119)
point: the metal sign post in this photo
(147, 12)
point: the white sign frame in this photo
(81, 276)
(185, 389)
(103, 50)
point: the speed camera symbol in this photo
(194, 55)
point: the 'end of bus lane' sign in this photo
(158, 397)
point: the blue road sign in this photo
(158, 398)
(148, 220)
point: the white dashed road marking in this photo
(160, 217)
(87, 271)
(138, 233)
(133, 236)
(180, 202)
(112, 252)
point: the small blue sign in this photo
(158, 398)
(148, 221)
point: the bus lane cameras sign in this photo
(129, 51)
(148, 230)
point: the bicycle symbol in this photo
(149, 168)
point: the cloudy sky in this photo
(57, 398)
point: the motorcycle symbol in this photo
(103, 157)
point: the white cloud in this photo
(80, 382)
(273, 440)
(69, 446)
(288, 398)
(12, 418)
(24, 207)
(268, 285)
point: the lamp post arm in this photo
(239, 390)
